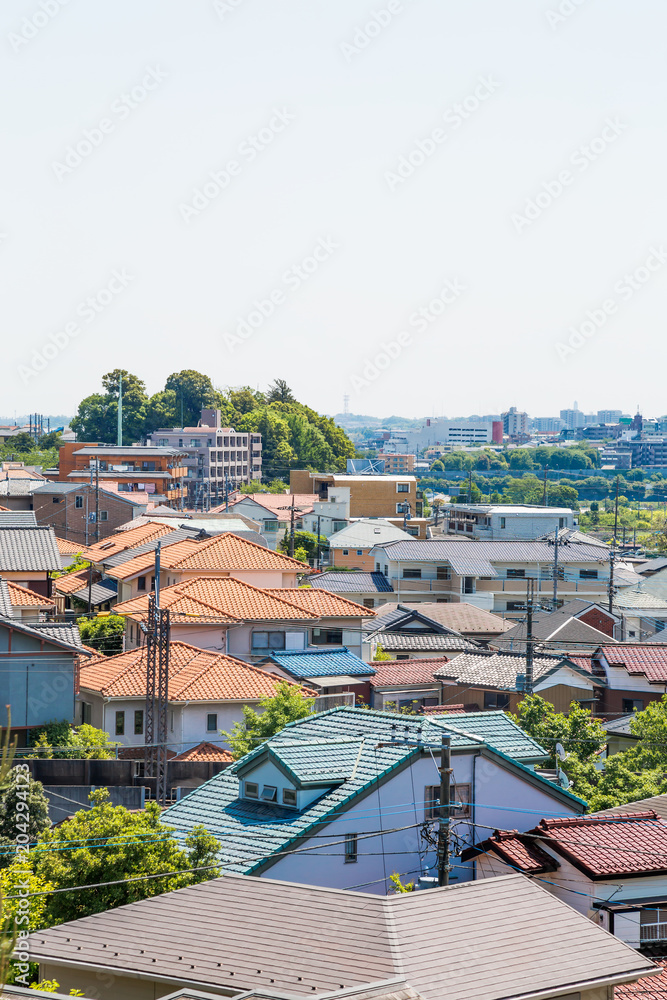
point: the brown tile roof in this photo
(613, 845)
(446, 709)
(392, 673)
(223, 552)
(67, 548)
(520, 852)
(323, 603)
(651, 661)
(123, 540)
(69, 583)
(21, 597)
(194, 675)
(461, 617)
(221, 599)
(652, 988)
(206, 752)
(138, 753)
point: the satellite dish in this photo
(560, 752)
(563, 780)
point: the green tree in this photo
(30, 804)
(305, 540)
(23, 442)
(289, 703)
(103, 633)
(135, 844)
(520, 459)
(61, 740)
(51, 440)
(194, 391)
(97, 415)
(279, 392)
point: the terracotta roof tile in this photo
(392, 673)
(651, 661)
(69, 583)
(126, 540)
(21, 597)
(220, 599)
(223, 552)
(194, 675)
(67, 548)
(323, 603)
(520, 852)
(652, 988)
(206, 752)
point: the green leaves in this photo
(288, 704)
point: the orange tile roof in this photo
(219, 600)
(123, 540)
(194, 675)
(69, 583)
(206, 752)
(223, 552)
(323, 603)
(4, 508)
(67, 548)
(21, 597)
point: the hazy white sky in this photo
(368, 232)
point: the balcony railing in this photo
(653, 932)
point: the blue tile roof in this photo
(340, 745)
(321, 663)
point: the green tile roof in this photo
(309, 761)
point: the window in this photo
(271, 525)
(56, 499)
(410, 573)
(561, 522)
(195, 443)
(211, 722)
(468, 585)
(171, 722)
(346, 552)
(269, 793)
(494, 700)
(180, 442)
(442, 573)
(86, 712)
(141, 583)
(163, 442)
(138, 722)
(327, 637)
(368, 602)
(516, 574)
(459, 798)
(268, 640)
(251, 789)
(653, 923)
(632, 705)
(339, 525)
(350, 848)
(104, 515)
(515, 606)
(289, 797)
(120, 723)
(78, 501)
(588, 574)
(378, 567)
(403, 487)
(503, 522)
(360, 552)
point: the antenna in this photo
(346, 404)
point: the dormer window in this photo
(289, 797)
(251, 789)
(269, 793)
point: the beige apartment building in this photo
(370, 496)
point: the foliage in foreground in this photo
(286, 705)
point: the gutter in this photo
(144, 976)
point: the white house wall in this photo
(564, 676)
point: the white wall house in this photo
(492, 522)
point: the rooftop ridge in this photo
(616, 818)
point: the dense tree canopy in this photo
(293, 435)
(288, 704)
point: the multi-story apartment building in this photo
(452, 434)
(547, 425)
(136, 469)
(572, 418)
(492, 575)
(515, 423)
(81, 513)
(609, 416)
(491, 522)
(395, 464)
(369, 496)
(219, 458)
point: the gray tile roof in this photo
(177, 535)
(100, 593)
(64, 634)
(57, 487)
(468, 554)
(637, 597)
(32, 549)
(18, 519)
(281, 938)
(559, 626)
(502, 671)
(393, 643)
(352, 583)
(6, 606)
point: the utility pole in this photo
(544, 491)
(445, 802)
(97, 500)
(612, 554)
(292, 509)
(319, 547)
(529, 636)
(555, 570)
(158, 636)
(119, 435)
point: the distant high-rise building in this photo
(609, 416)
(515, 422)
(547, 425)
(572, 418)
